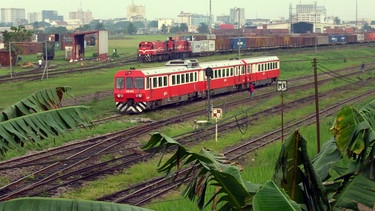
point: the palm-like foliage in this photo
(341, 176)
(206, 168)
(49, 204)
(295, 174)
(38, 117)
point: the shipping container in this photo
(28, 48)
(202, 47)
(322, 40)
(369, 36)
(360, 38)
(222, 44)
(337, 39)
(238, 43)
(4, 58)
(352, 38)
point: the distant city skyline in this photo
(170, 9)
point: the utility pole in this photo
(316, 104)
(210, 22)
(10, 60)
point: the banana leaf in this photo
(53, 204)
(295, 174)
(43, 100)
(270, 197)
(42, 125)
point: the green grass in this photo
(102, 80)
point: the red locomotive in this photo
(163, 51)
(137, 90)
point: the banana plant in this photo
(340, 177)
(39, 117)
(212, 169)
(53, 204)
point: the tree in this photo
(38, 117)
(174, 29)
(164, 29)
(203, 28)
(99, 26)
(337, 21)
(17, 34)
(56, 30)
(184, 27)
(131, 29)
(153, 24)
(341, 176)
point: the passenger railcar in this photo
(138, 90)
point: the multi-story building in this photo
(166, 22)
(223, 19)
(51, 15)
(193, 20)
(237, 16)
(136, 13)
(184, 17)
(310, 13)
(84, 17)
(34, 17)
(14, 16)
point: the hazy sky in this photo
(171, 8)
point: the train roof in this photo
(203, 65)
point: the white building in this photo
(84, 17)
(34, 17)
(165, 21)
(310, 13)
(136, 13)
(12, 15)
(237, 16)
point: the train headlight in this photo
(120, 95)
(138, 95)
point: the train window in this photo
(191, 77)
(249, 69)
(215, 74)
(139, 84)
(147, 83)
(243, 70)
(187, 78)
(173, 79)
(129, 83)
(269, 66)
(196, 76)
(219, 73)
(178, 79)
(165, 80)
(120, 83)
(155, 82)
(160, 81)
(258, 67)
(182, 78)
(231, 71)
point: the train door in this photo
(249, 72)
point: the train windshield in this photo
(139, 83)
(120, 83)
(130, 83)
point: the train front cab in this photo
(129, 92)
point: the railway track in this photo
(145, 192)
(82, 161)
(37, 74)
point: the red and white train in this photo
(138, 90)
